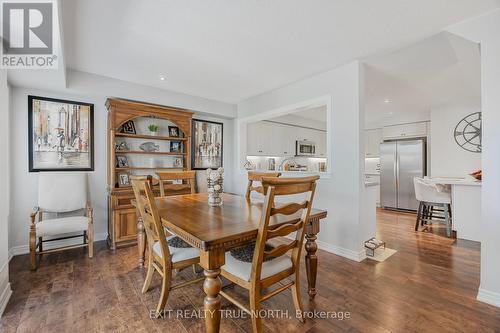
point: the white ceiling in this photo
(229, 50)
(440, 70)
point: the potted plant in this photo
(153, 129)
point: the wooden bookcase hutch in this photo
(122, 219)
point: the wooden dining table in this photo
(215, 230)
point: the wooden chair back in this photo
(149, 212)
(257, 176)
(149, 178)
(275, 187)
(168, 188)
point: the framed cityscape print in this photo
(60, 135)
(206, 150)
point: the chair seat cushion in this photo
(177, 242)
(52, 227)
(177, 253)
(243, 269)
(245, 253)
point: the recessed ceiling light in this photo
(387, 100)
(391, 113)
(162, 78)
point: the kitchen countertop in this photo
(454, 181)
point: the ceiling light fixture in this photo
(162, 78)
(387, 101)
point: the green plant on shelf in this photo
(153, 128)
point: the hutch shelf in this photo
(128, 123)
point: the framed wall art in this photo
(128, 127)
(123, 179)
(175, 146)
(121, 161)
(173, 131)
(206, 145)
(60, 135)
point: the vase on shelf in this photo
(214, 186)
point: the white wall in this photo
(341, 194)
(5, 290)
(484, 30)
(447, 157)
(24, 194)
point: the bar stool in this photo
(435, 205)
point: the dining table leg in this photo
(311, 258)
(141, 240)
(212, 261)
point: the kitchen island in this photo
(465, 206)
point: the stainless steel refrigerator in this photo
(400, 162)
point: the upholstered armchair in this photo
(61, 193)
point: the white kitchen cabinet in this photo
(320, 140)
(315, 136)
(278, 140)
(303, 134)
(269, 139)
(375, 179)
(373, 138)
(405, 131)
(259, 138)
(286, 138)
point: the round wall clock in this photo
(468, 133)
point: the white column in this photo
(484, 30)
(5, 290)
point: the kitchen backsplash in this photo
(311, 164)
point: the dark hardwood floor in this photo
(429, 285)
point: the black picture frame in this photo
(90, 143)
(194, 140)
(177, 133)
(175, 147)
(128, 124)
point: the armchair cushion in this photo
(243, 269)
(62, 191)
(52, 227)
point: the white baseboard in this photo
(5, 290)
(340, 251)
(489, 297)
(24, 249)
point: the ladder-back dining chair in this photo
(61, 193)
(168, 187)
(270, 265)
(165, 253)
(254, 176)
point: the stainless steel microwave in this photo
(305, 148)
